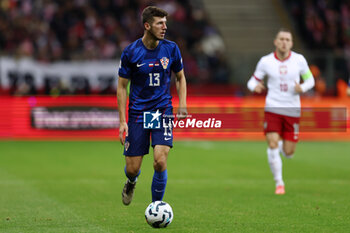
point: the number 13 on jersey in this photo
(154, 79)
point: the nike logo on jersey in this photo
(139, 65)
(167, 139)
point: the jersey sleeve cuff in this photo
(257, 79)
(178, 70)
(124, 76)
(252, 83)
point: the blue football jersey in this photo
(150, 74)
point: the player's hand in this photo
(297, 88)
(181, 113)
(259, 88)
(123, 128)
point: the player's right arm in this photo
(255, 83)
(121, 98)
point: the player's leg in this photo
(132, 171)
(132, 167)
(274, 158)
(273, 129)
(280, 146)
(287, 148)
(290, 136)
(136, 146)
(160, 176)
(162, 141)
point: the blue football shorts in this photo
(138, 140)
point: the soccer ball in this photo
(159, 214)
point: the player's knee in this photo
(273, 144)
(289, 151)
(132, 170)
(159, 164)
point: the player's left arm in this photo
(308, 78)
(182, 93)
(121, 99)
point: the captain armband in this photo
(307, 75)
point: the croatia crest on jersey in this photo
(165, 62)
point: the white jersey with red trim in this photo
(282, 76)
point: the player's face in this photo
(283, 42)
(158, 28)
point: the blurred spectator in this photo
(320, 82)
(49, 30)
(325, 25)
(321, 22)
(23, 85)
(342, 88)
(54, 86)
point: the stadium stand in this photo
(325, 26)
(247, 28)
(84, 30)
(36, 33)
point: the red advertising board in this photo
(211, 118)
(16, 119)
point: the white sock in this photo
(280, 147)
(275, 163)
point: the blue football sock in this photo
(158, 185)
(131, 178)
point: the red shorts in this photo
(287, 127)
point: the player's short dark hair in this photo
(152, 11)
(283, 30)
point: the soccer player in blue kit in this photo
(147, 63)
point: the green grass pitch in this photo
(212, 187)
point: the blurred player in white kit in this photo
(283, 68)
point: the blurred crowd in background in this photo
(71, 30)
(324, 25)
(98, 30)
